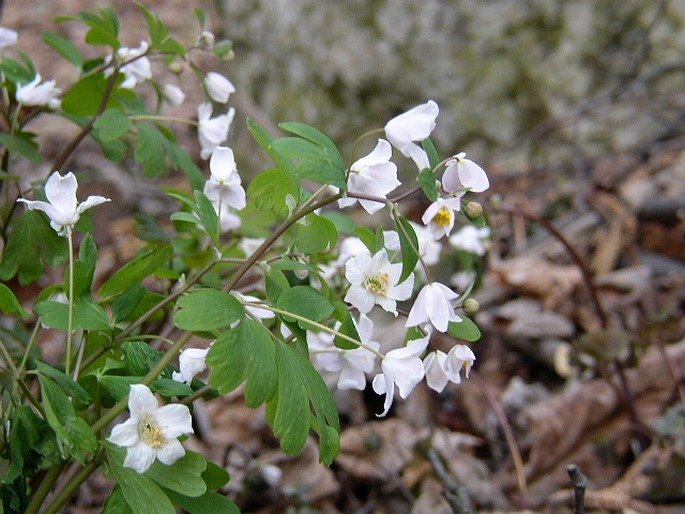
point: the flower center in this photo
(378, 283)
(443, 217)
(150, 432)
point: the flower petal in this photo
(141, 400)
(140, 457)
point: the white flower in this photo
(212, 132)
(174, 94)
(373, 175)
(8, 37)
(152, 431)
(470, 239)
(205, 40)
(224, 185)
(462, 174)
(137, 70)
(218, 87)
(191, 362)
(62, 207)
(433, 304)
(439, 216)
(351, 365)
(401, 367)
(35, 93)
(375, 280)
(414, 125)
(442, 368)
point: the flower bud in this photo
(471, 306)
(176, 67)
(473, 210)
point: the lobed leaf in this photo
(207, 309)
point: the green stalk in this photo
(70, 320)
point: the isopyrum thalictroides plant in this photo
(275, 313)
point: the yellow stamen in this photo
(378, 283)
(443, 217)
(150, 433)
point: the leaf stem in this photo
(70, 319)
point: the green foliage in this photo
(464, 329)
(316, 235)
(113, 124)
(409, 246)
(302, 402)
(306, 302)
(87, 315)
(21, 144)
(64, 47)
(9, 303)
(135, 271)
(316, 156)
(72, 431)
(207, 309)
(271, 190)
(244, 354)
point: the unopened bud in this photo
(473, 210)
(471, 306)
(176, 67)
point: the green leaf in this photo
(311, 161)
(265, 140)
(113, 124)
(304, 301)
(118, 387)
(464, 329)
(426, 180)
(275, 283)
(347, 327)
(215, 476)
(409, 246)
(244, 354)
(116, 503)
(124, 305)
(170, 388)
(71, 388)
(64, 47)
(140, 357)
(301, 390)
(21, 144)
(207, 215)
(142, 494)
(208, 503)
(271, 188)
(317, 235)
(31, 242)
(431, 152)
(207, 309)
(84, 97)
(87, 315)
(184, 476)
(200, 15)
(9, 303)
(150, 150)
(72, 431)
(104, 29)
(222, 48)
(135, 271)
(368, 237)
(84, 269)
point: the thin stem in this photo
(71, 487)
(579, 482)
(29, 347)
(70, 319)
(197, 394)
(45, 487)
(321, 327)
(579, 261)
(252, 259)
(20, 381)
